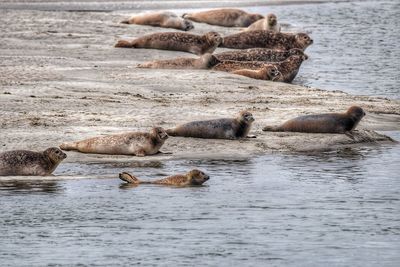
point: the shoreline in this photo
(62, 80)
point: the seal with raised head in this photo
(206, 61)
(288, 68)
(131, 143)
(322, 123)
(227, 17)
(24, 162)
(192, 178)
(176, 41)
(236, 128)
(270, 23)
(164, 19)
(259, 54)
(267, 39)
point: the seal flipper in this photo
(171, 132)
(69, 146)
(124, 176)
(272, 129)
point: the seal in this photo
(287, 69)
(164, 19)
(322, 123)
(206, 61)
(24, 162)
(270, 23)
(131, 143)
(236, 128)
(192, 178)
(267, 39)
(259, 54)
(227, 17)
(176, 41)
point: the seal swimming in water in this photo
(206, 61)
(24, 162)
(322, 123)
(236, 128)
(163, 19)
(259, 54)
(288, 69)
(132, 143)
(192, 178)
(176, 41)
(227, 17)
(266, 39)
(270, 23)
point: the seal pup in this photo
(227, 17)
(236, 128)
(176, 41)
(322, 123)
(133, 143)
(192, 178)
(24, 162)
(288, 68)
(270, 23)
(164, 19)
(259, 54)
(267, 39)
(206, 61)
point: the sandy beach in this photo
(62, 80)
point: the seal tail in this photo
(124, 43)
(69, 146)
(144, 66)
(125, 21)
(124, 176)
(171, 132)
(272, 129)
(185, 15)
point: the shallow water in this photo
(356, 45)
(336, 208)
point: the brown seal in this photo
(132, 143)
(322, 123)
(24, 162)
(288, 68)
(192, 178)
(270, 23)
(267, 39)
(206, 61)
(227, 17)
(163, 19)
(236, 128)
(176, 41)
(259, 54)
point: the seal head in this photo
(55, 154)
(197, 177)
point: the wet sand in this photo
(62, 80)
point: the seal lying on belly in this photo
(176, 41)
(322, 123)
(227, 17)
(206, 61)
(132, 143)
(259, 54)
(236, 128)
(192, 178)
(24, 162)
(270, 23)
(288, 70)
(267, 39)
(163, 19)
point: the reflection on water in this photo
(355, 45)
(333, 208)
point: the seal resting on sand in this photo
(132, 143)
(322, 123)
(270, 23)
(236, 128)
(164, 19)
(206, 61)
(192, 178)
(24, 162)
(267, 39)
(259, 54)
(227, 17)
(176, 41)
